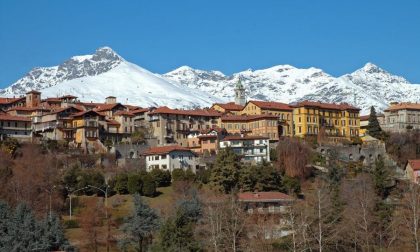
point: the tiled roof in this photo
(415, 164)
(192, 112)
(230, 106)
(52, 100)
(131, 107)
(263, 197)
(6, 117)
(404, 105)
(245, 118)
(28, 109)
(165, 149)
(126, 113)
(272, 105)
(6, 100)
(239, 137)
(140, 110)
(82, 113)
(112, 122)
(105, 107)
(68, 97)
(333, 106)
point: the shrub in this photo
(71, 224)
(162, 178)
(149, 186)
(134, 183)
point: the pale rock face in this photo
(94, 77)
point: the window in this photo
(163, 156)
(156, 157)
(164, 167)
(300, 120)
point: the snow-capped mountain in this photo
(365, 87)
(105, 73)
(94, 77)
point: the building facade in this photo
(170, 157)
(338, 121)
(172, 126)
(412, 170)
(255, 149)
(283, 111)
(401, 117)
(255, 125)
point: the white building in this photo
(170, 157)
(401, 117)
(251, 148)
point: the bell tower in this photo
(240, 98)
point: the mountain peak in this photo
(372, 68)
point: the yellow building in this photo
(254, 125)
(86, 125)
(338, 120)
(283, 111)
(229, 107)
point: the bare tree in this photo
(410, 214)
(293, 156)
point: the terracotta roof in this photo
(165, 149)
(364, 117)
(126, 113)
(82, 113)
(244, 118)
(105, 107)
(6, 100)
(68, 97)
(272, 105)
(192, 112)
(131, 107)
(140, 110)
(52, 100)
(239, 137)
(58, 110)
(28, 109)
(404, 105)
(333, 106)
(415, 164)
(230, 106)
(6, 117)
(112, 122)
(263, 197)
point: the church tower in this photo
(240, 98)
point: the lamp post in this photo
(49, 191)
(70, 193)
(106, 210)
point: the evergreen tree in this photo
(381, 178)
(374, 129)
(190, 209)
(226, 171)
(149, 185)
(247, 178)
(6, 229)
(53, 237)
(140, 226)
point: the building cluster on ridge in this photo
(248, 127)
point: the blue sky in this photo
(230, 36)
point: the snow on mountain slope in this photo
(39, 78)
(133, 85)
(105, 73)
(365, 87)
(94, 77)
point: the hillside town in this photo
(209, 126)
(184, 144)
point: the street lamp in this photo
(106, 209)
(49, 191)
(71, 192)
